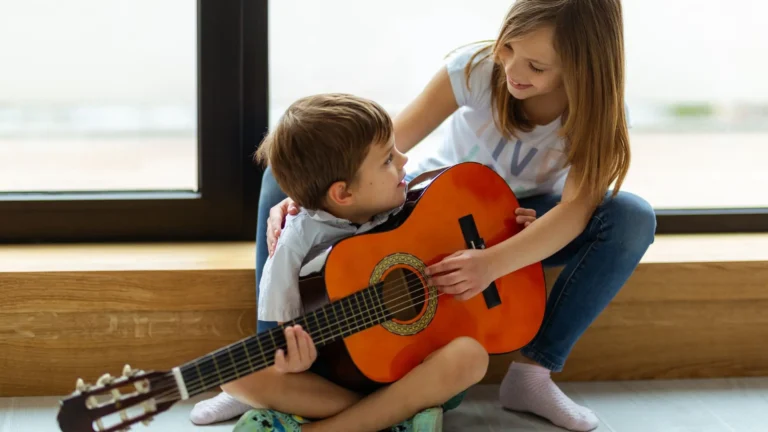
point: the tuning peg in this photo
(127, 371)
(147, 421)
(104, 380)
(80, 385)
(149, 406)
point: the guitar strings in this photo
(359, 311)
(324, 335)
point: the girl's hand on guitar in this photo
(276, 220)
(466, 273)
(463, 274)
(301, 351)
(525, 216)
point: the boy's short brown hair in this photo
(320, 140)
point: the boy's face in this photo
(380, 184)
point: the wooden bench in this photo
(694, 308)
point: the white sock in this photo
(222, 407)
(529, 388)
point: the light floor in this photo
(724, 405)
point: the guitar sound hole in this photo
(404, 294)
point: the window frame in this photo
(233, 107)
(711, 221)
(232, 97)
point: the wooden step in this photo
(694, 308)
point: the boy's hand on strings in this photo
(301, 351)
(276, 221)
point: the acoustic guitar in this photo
(368, 307)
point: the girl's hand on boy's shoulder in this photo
(276, 221)
(301, 351)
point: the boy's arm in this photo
(280, 299)
(283, 303)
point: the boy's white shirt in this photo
(301, 249)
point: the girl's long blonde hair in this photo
(589, 38)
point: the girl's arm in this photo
(468, 272)
(546, 236)
(425, 113)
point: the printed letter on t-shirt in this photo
(516, 166)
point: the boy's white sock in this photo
(222, 407)
(529, 388)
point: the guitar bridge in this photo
(474, 241)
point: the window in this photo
(130, 120)
(696, 87)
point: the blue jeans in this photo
(597, 264)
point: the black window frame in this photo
(232, 115)
(711, 221)
(233, 106)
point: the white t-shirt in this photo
(534, 164)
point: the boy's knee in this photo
(468, 360)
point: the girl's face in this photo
(531, 65)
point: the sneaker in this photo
(429, 420)
(220, 408)
(266, 420)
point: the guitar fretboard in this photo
(337, 320)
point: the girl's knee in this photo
(632, 218)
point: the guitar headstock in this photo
(116, 403)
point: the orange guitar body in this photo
(427, 231)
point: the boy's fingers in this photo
(293, 348)
(312, 348)
(303, 346)
(280, 361)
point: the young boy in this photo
(335, 155)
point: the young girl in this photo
(543, 105)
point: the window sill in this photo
(694, 308)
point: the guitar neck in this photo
(334, 321)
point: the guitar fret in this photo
(247, 355)
(216, 364)
(272, 336)
(364, 315)
(338, 323)
(365, 310)
(303, 326)
(347, 320)
(379, 291)
(199, 374)
(371, 292)
(319, 328)
(327, 321)
(372, 295)
(234, 364)
(360, 310)
(351, 320)
(261, 349)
